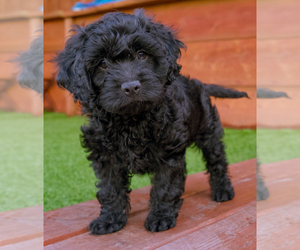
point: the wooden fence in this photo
(220, 38)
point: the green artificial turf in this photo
(21, 166)
(68, 179)
(277, 145)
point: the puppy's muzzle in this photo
(131, 89)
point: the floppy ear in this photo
(31, 67)
(72, 74)
(167, 36)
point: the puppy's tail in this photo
(221, 92)
(268, 93)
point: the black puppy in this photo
(142, 116)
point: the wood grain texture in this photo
(49, 67)
(24, 100)
(220, 37)
(198, 212)
(8, 70)
(34, 244)
(14, 6)
(278, 19)
(282, 179)
(238, 113)
(198, 20)
(54, 35)
(280, 112)
(228, 63)
(61, 101)
(278, 217)
(16, 34)
(21, 225)
(278, 62)
(237, 231)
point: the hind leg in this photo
(209, 140)
(262, 191)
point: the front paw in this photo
(223, 193)
(106, 224)
(155, 223)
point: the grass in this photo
(21, 154)
(69, 180)
(277, 145)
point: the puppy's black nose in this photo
(131, 88)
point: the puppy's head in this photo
(121, 63)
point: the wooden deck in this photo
(202, 223)
(278, 217)
(22, 228)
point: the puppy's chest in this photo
(138, 142)
(142, 146)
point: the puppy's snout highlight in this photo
(131, 88)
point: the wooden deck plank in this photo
(21, 225)
(282, 179)
(73, 220)
(237, 231)
(34, 244)
(198, 211)
(278, 217)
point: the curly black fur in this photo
(31, 65)
(145, 128)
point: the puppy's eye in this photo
(142, 55)
(103, 64)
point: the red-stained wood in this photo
(278, 62)
(280, 227)
(228, 63)
(61, 101)
(18, 26)
(278, 217)
(198, 212)
(280, 112)
(21, 225)
(198, 20)
(278, 19)
(8, 69)
(54, 35)
(34, 244)
(212, 62)
(22, 100)
(237, 231)
(282, 179)
(220, 37)
(238, 113)
(18, 36)
(13, 6)
(49, 67)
